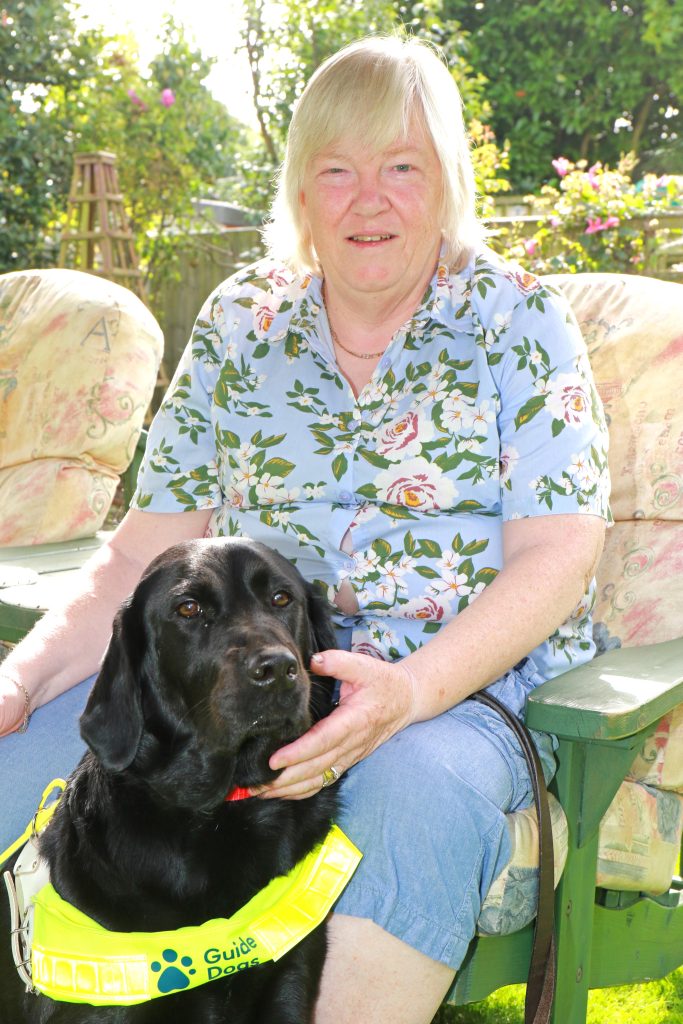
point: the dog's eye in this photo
(281, 599)
(189, 609)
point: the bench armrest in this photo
(614, 696)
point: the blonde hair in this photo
(372, 89)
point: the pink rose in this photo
(168, 97)
(425, 607)
(405, 436)
(568, 400)
(415, 484)
(561, 165)
(264, 313)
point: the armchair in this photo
(79, 357)
(619, 786)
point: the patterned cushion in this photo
(634, 331)
(640, 839)
(633, 328)
(512, 899)
(79, 359)
(660, 762)
(639, 845)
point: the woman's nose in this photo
(370, 197)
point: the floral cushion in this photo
(512, 899)
(633, 327)
(634, 331)
(640, 839)
(79, 359)
(660, 761)
(639, 845)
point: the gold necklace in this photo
(358, 355)
(335, 339)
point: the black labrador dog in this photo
(204, 678)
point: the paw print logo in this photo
(172, 978)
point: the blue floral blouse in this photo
(482, 410)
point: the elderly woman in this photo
(412, 421)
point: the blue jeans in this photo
(427, 809)
(51, 748)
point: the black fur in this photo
(184, 708)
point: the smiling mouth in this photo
(370, 238)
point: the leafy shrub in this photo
(596, 219)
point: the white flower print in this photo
(453, 584)
(456, 410)
(245, 475)
(365, 565)
(583, 469)
(480, 417)
(509, 457)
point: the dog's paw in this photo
(172, 979)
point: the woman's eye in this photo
(189, 609)
(403, 167)
(281, 599)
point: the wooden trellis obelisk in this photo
(97, 237)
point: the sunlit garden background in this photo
(573, 106)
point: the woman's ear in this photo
(112, 722)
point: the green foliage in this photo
(283, 56)
(171, 137)
(69, 90)
(598, 219)
(39, 53)
(591, 79)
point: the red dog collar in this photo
(238, 793)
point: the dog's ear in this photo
(321, 638)
(320, 629)
(112, 722)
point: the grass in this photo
(658, 1002)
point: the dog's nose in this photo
(273, 667)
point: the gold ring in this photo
(330, 776)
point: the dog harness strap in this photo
(38, 821)
(76, 960)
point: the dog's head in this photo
(205, 674)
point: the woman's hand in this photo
(12, 706)
(377, 699)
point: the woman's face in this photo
(374, 217)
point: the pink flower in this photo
(593, 178)
(561, 165)
(168, 97)
(135, 99)
(404, 437)
(555, 222)
(595, 224)
(530, 246)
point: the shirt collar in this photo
(446, 300)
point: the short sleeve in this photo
(179, 471)
(553, 434)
